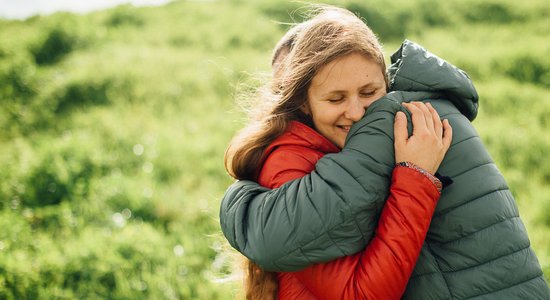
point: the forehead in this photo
(347, 71)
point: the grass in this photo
(114, 126)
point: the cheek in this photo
(324, 118)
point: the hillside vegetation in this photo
(113, 127)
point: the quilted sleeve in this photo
(329, 213)
(383, 268)
(287, 163)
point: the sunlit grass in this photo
(111, 168)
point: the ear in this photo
(305, 108)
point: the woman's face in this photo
(340, 92)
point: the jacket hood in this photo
(414, 68)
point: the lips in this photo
(346, 128)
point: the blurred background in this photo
(114, 122)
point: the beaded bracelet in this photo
(431, 177)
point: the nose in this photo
(355, 110)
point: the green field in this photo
(113, 127)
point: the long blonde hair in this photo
(330, 33)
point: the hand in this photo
(430, 140)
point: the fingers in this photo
(431, 137)
(447, 134)
(418, 118)
(427, 115)
(400, 133)
(425, 112)
(438, 127)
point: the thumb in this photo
(400, 133)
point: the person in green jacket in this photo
(477, 246)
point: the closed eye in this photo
(367, 93)
(335, 100)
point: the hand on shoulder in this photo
(430, 140)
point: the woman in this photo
(334, 72)
(476, 237)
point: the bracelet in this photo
(431, 177)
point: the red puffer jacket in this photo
(382, 269)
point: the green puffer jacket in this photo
(477, 246)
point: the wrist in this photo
(430, 176)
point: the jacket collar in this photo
(299, 134)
